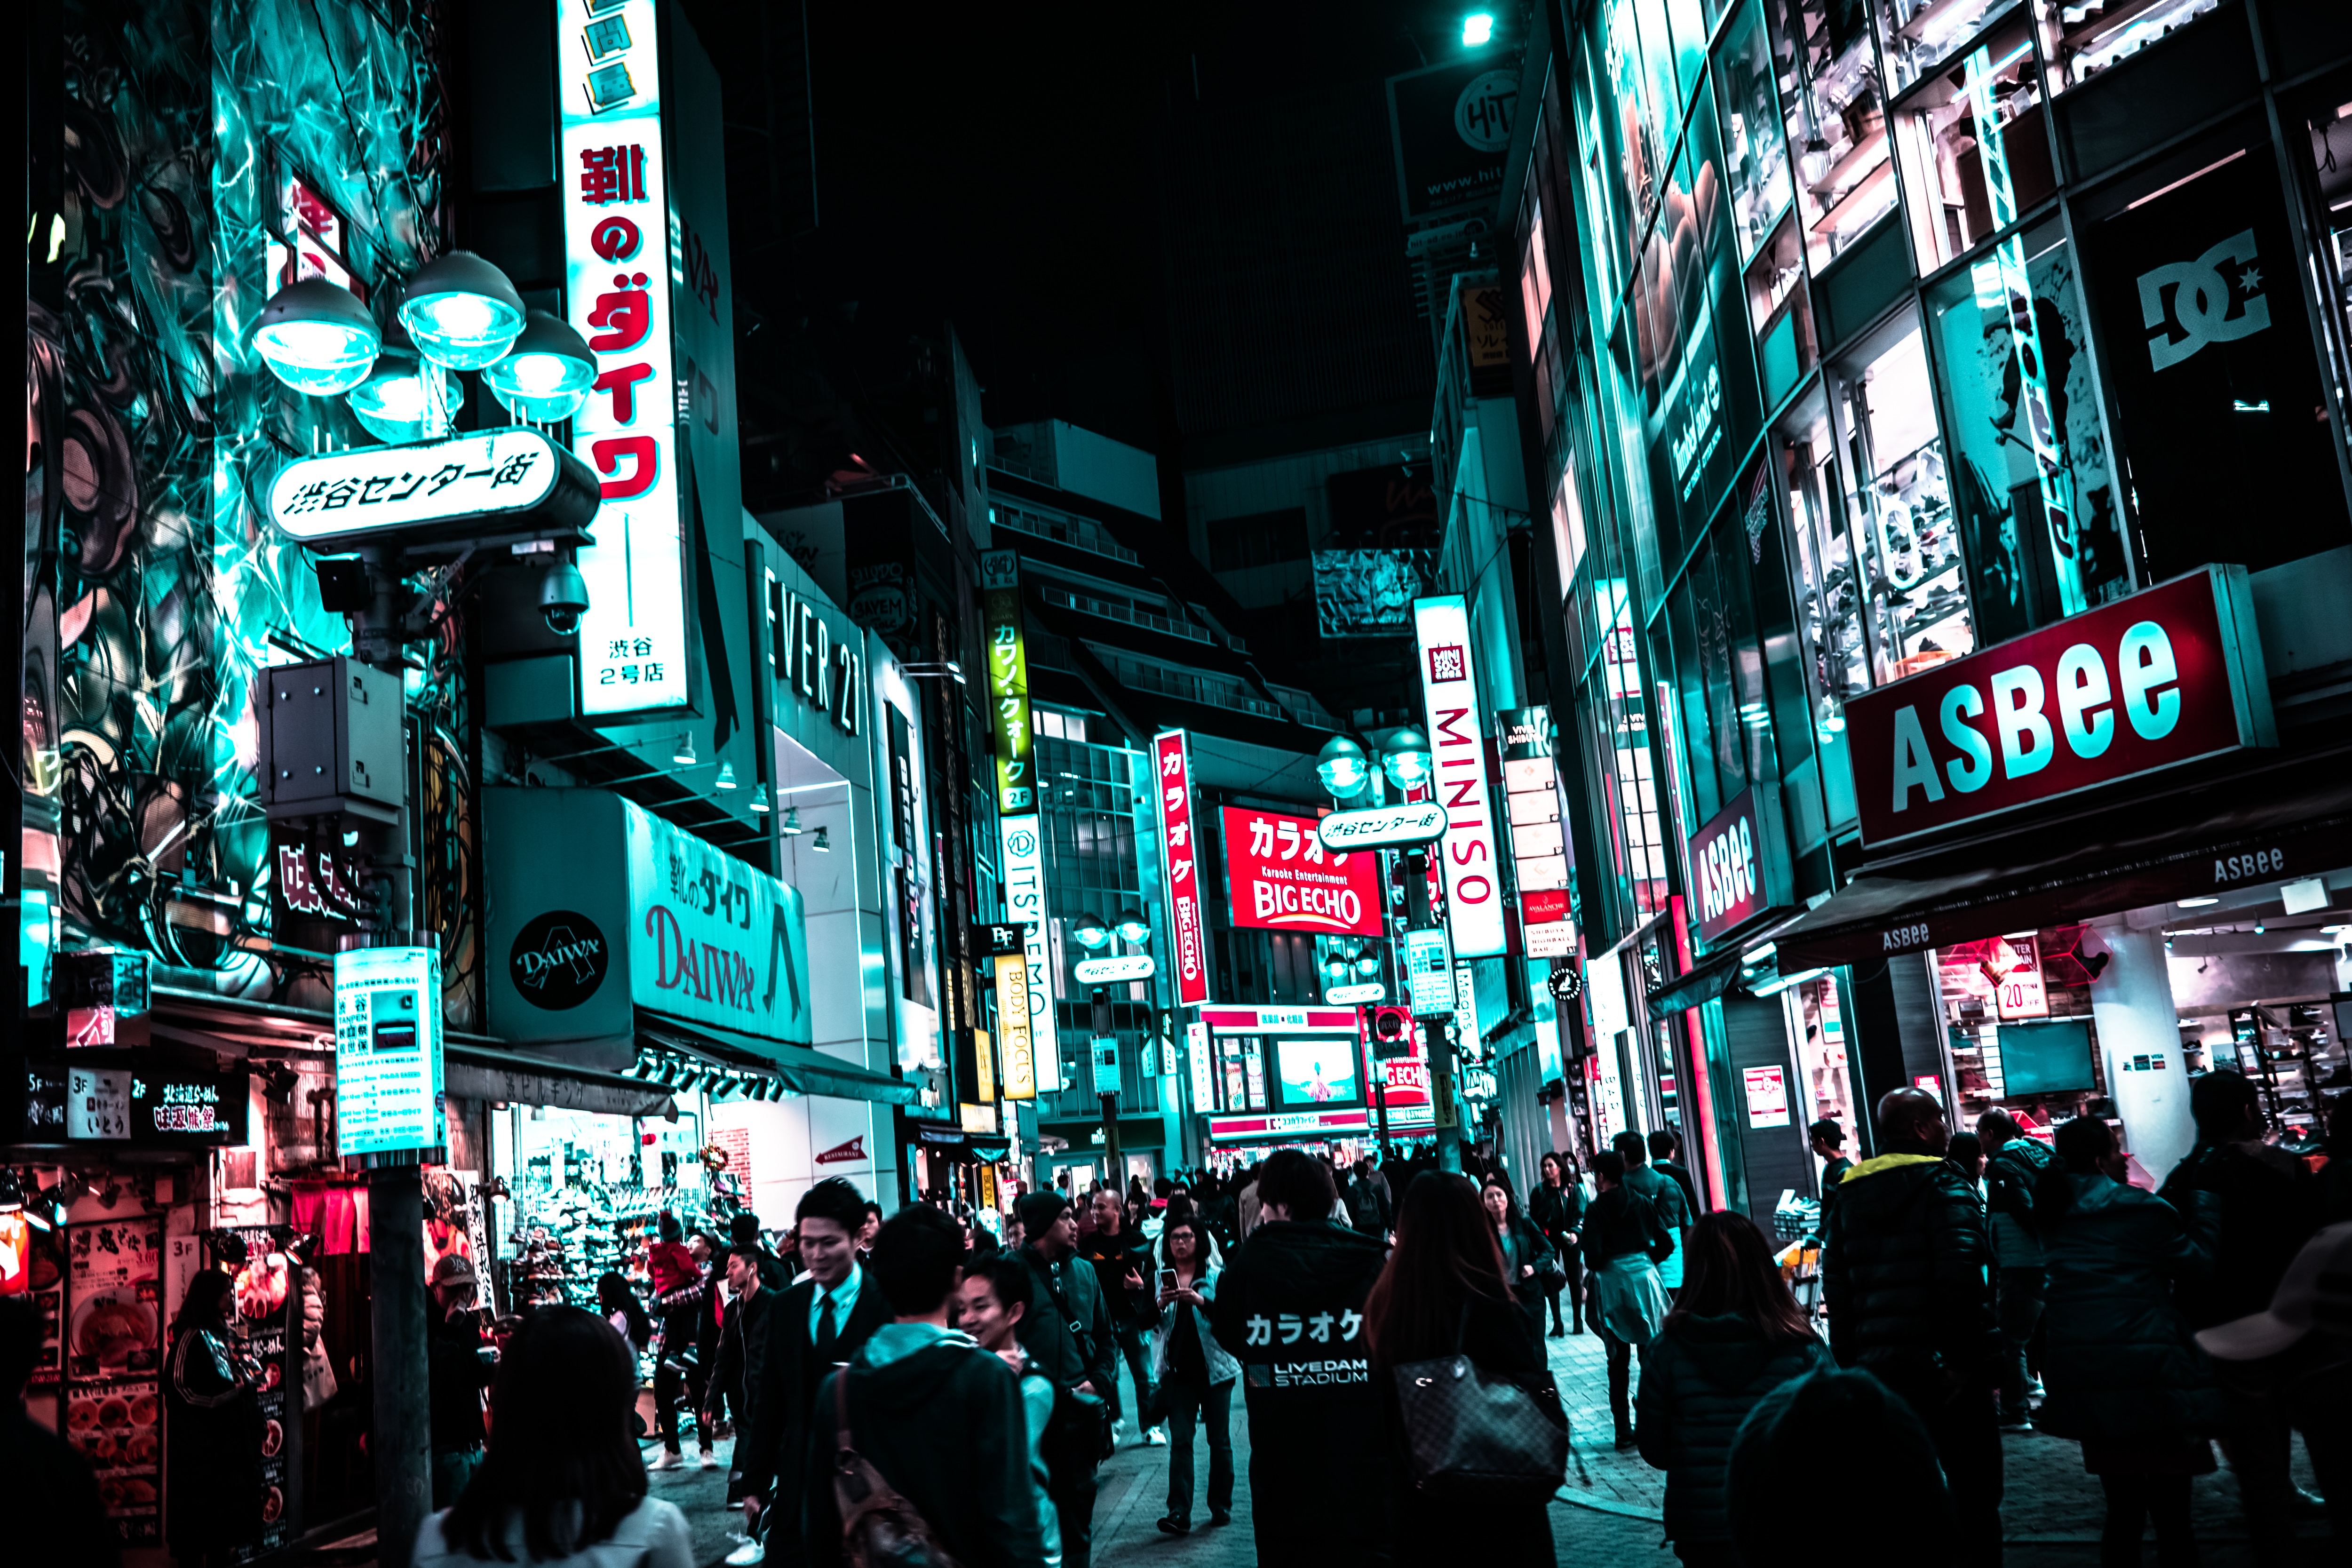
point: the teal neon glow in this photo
(1477, 28)
(463, 331)
(394, 402)
(318, 359)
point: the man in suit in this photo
(816, 1324)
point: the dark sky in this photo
(995, 166)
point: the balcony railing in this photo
(1110, 609)
(1074, 532)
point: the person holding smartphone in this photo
(1194, 1374)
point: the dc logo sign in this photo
(559, 960)
(2216, 299)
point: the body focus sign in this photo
(1282, 879)
(2167, 676)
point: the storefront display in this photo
(586, 1192)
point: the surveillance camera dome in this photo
(563, 597)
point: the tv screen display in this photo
(2045, 1059)
(1317, 1072)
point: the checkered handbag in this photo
(1476, 1435)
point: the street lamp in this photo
(1133, 929)
(461, 311)
(546, 376)
(394, 404)
(1405, 758)
(1343, 768)
(1091, 932)
(1477, 28)
(317, 339)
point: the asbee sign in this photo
(1382, 827)
(2167, 677)
(1735, 869)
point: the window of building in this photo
(1061, 726)
(1755, 155)
(2082, 41)
(313, 239)
(1567, 528)
(1781, 309)
(1261, 539)
(1535, 269)
(1972, 145)
(1836, 115)
(1886, 410)
(1918, 35)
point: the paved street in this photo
(1607, 1516)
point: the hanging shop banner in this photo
(1196, 1051)
(2165, 676)
(1021, 855)
(1013, 1026)
(1008, 682)
(388, 1051)
(598, 908)
(618, 281)
(1735, 858)
(1473, 892)
(1172, 764)
(1280, 878)
(1538, 845)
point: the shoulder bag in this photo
(1474, 1436)
(879, 1528)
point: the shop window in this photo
(2331, 162)
(1829, 569)
(1637, 841)
(1781, 309)
(1567, 528)
(1816, 1014)
(1755, 156)
(1835, 111)
(1973, 147)
(1917, 35)
(2082, 41)
(1535, 270)
(1918, 609)
(2033, 492)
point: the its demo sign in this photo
(2165, 676)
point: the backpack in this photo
(879, 1528)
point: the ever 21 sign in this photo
(2167, 676)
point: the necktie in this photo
(825, 1334)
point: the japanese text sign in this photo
(1282, 879)
(1172, 775)
(1457, 749)
(388, 1050)
(1008, 682)
(2166, 676)
(617, 242)
(1021, 849)
(1013, 1027)
(373, 491)
(1538, 846)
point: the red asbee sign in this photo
(1172, 772)
(1282, 879)
(2169, 676)
(1728, 859)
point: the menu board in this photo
(265, 1306)
(113, 1347)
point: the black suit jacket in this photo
(787, 1391)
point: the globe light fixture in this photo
(1406, 759)
(394, 404)
(1342, 768)
(316, 338)
(546, 376)
(461, 311)
(1132, 928)
(1091, 932)
(1367, 964)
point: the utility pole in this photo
(1443, 1103)
(1115, 1167)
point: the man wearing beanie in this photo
(1066, 1329)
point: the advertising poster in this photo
(116, 1424)
(454, 1222)
(1768, 1096)
(1453, 128)
(1281, 878)
(1317, 1072)
(43, 1264)
(113, 1350)
(264, 1307)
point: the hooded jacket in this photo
(1289, 1308)
(944, 1422)
(1699, 1380)
(1904, 1270)
(2269, 1208)
(2121, 1360)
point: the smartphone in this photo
(1168, 1280)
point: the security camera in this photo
(563, 597)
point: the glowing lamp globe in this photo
(392, 403)
(461, 311)
(1090, 931)
(1342, 768)
(546, 376)
(316, 338)
(1407, 760)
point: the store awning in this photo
(796, 1068)
(1709, 980)
(2289, 820)
(478, 1072)
(971, 1148)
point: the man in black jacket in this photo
(1121, 1255)
(813, 1326)
(1290, 1307)
(455, 1373)
(738, 1367)
(1904, 1270)
(1066, 1329)
(938, 1418)
(2013, 1167)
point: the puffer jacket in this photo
(2121, 1360)
(1699, 1380)
(2010, 1175)
(1904, 1272)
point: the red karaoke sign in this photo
(1282, 879)
(2165, 676)
(1172, 769)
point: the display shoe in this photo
(1171, 1525)
(667, 1459)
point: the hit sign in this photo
(2166, 677)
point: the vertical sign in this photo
(1473, 892)
(2015, 969)
(1429, 976)
(1196, 1045)
(618, 276)
(1013, 1026)
(1538, 847)
(1023, 856)
(1008, 681)
(388, 1050)
(1173, 768)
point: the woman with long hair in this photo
(1528, 1262)
(1736, 1335)
(1443, 1293)
(1193, 1375)
(213, 1417)
(2123, 1370)
(1557, 1207)
(621, 1308)
(561, 1483)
